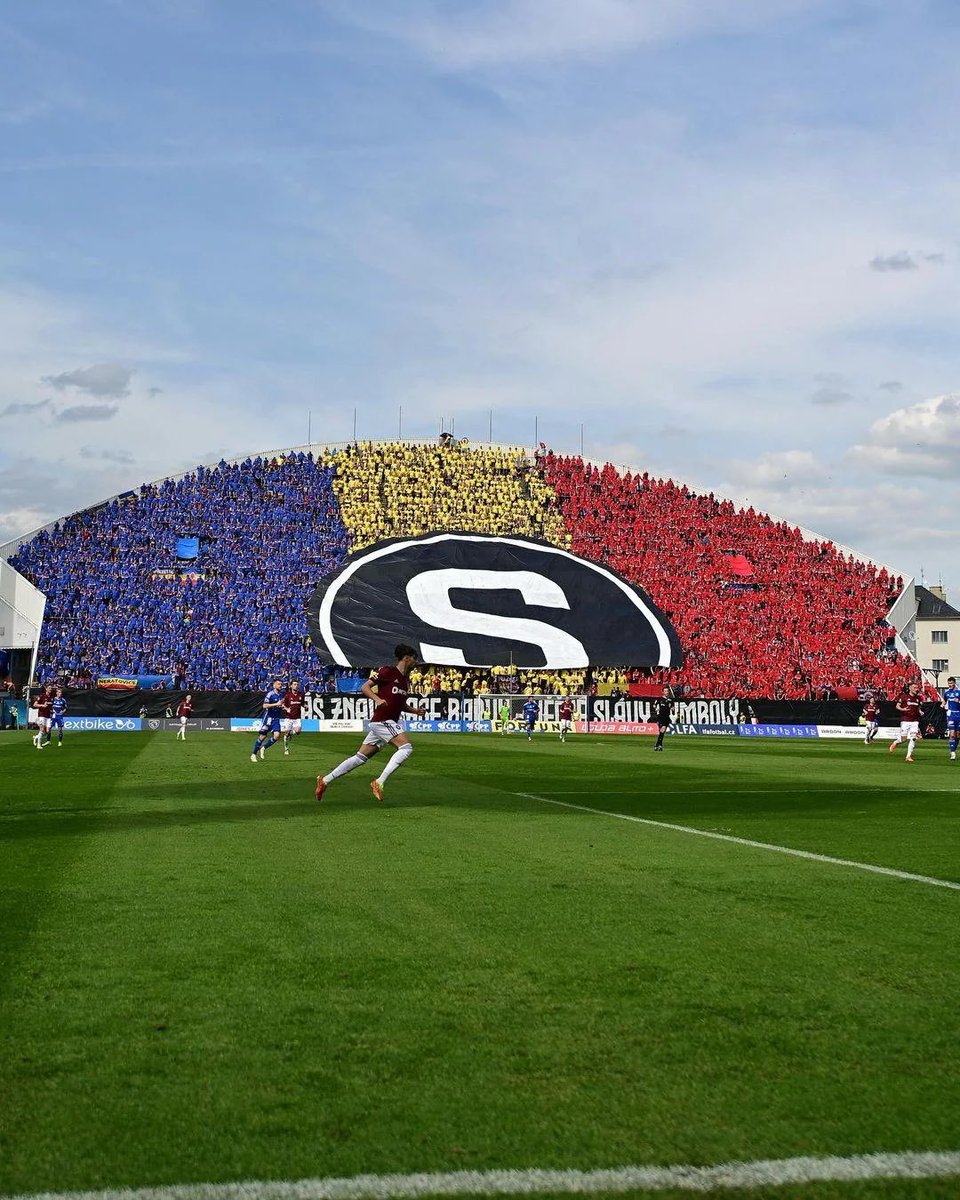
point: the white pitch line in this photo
(738, 841)
(742, 1175)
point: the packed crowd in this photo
(119, 601)
(759, 610)
(400, 489)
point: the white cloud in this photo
(923, 439)
(513, 31)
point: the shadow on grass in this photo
(171, 805)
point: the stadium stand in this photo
(203, 578)
(759, 610)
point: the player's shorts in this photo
(953, 721)
(292, 725)
(43, 723)
(381, 733)
(531, 725)
(270, 725)
(871, 723)
(566, 726)
(910, 729)
(56, 722)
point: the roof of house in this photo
(931, 608)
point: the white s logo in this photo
(429, 596)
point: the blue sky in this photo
(720, 234)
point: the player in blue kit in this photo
(273, 711)
(59, 707)
(531, 713)
(951, 702)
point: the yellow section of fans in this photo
(398, 489)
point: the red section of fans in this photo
(808, 619)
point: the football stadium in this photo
(532, 956)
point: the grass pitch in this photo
(206, 976)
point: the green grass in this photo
(206, 976)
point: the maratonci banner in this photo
(473, 600)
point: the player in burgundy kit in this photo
(293, 706)
(871, 718)
(44, 707)
(184, 709)
(389, 691)
(566, 717)
(909, 708)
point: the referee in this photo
(663, 716)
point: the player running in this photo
(566, 717)
(270, 725)
(44, 707)
(184, 709)
(908, 707)
(389, 691)
(531, 714)
(663, 716)
(59, 708)
(293, 707)
(951, 702)
(871, 719)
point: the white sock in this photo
(910, 745)
(348, 764)
(397, 759)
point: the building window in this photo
(941, 664)
(938, 637)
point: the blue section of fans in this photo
(118, 601)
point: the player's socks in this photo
(953, 745)
(397, 759)
(348, 764)
(910, 745)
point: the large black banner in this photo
(466, 599)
